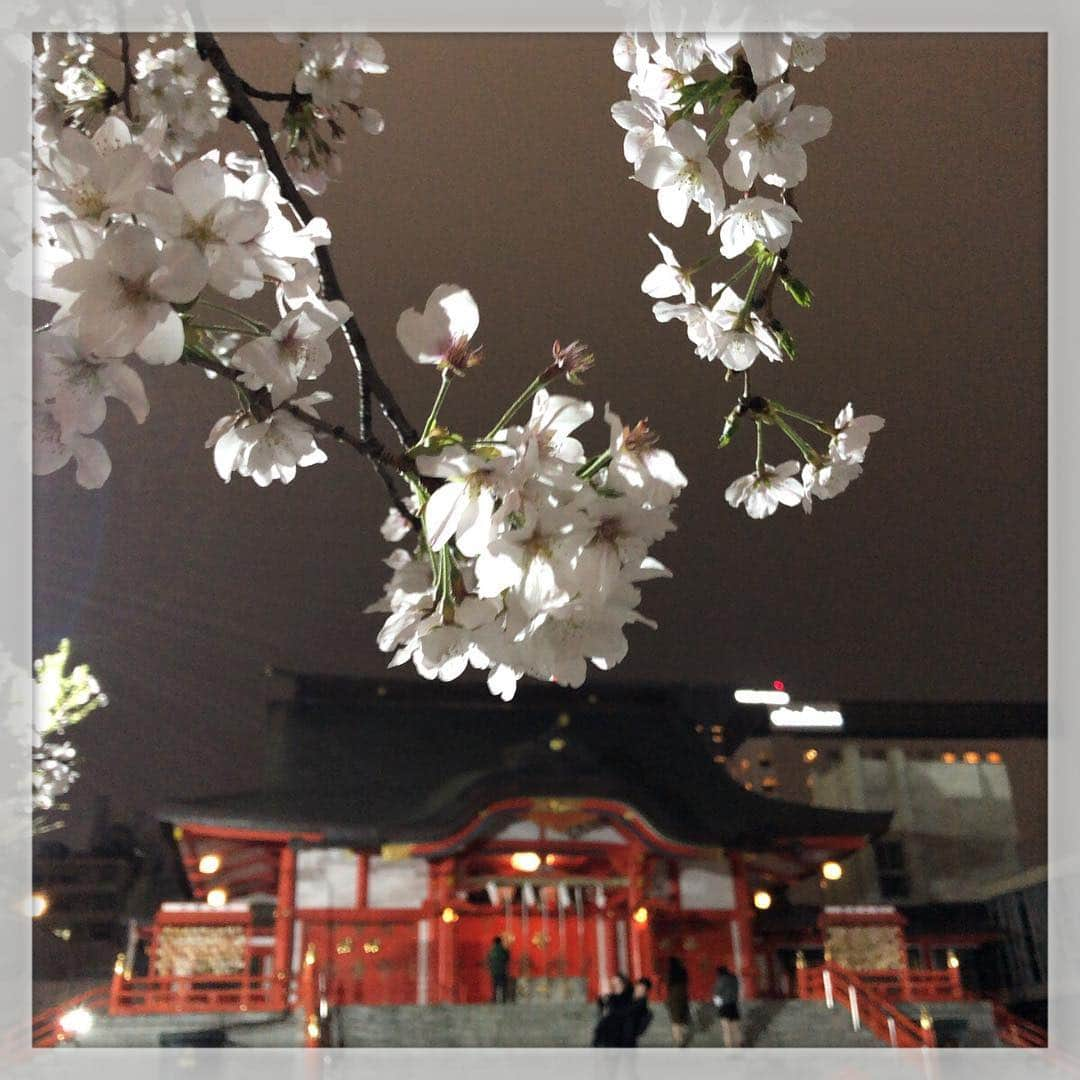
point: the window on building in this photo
(893, 880)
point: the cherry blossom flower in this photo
(96, 177)
(270, 449)
(463, 508)
(827, 479)
(770, 55)
(723, 331)
(296, 349)
(125, 292)
(644, 122)
(682, 173)
(54, 447)
(75, 384)
(220, 225)
(326, 74)
(668, 278)
(637, 464)
(441, 333)
(760, 493)
(756, 218)
(766, 138)
(852, 438)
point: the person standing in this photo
(678, 1000)
(613, 1006)
(638, 1015)
(498, 963)
(726, 1000)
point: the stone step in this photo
(778, 1024)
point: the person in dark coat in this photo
(678, 1000)
(498, 964)
(726, 1000)
(613, 1007)
(638, 1015)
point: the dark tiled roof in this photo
(378, 761)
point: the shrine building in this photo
(399, 827)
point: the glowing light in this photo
(810, 755)
(972, 758)
(313, 1027)
(762, 900)
(557, 744)
(807, 716)
(952, 959)
(77, 1022)
(832, 870)
(210, 864)
(549, 860)
(39, 904)
(640, 916)
(217, 897)
(994, 757)
(948, 757)
(119, 964)
(762, 697)
(449, 915)
(778, 684)
(525, 861)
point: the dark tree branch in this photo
(383, 462)
(243, 110)
(129, 75)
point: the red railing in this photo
(46, 1029)
(1013, 1031)
(867, 1007)
(192, 994)
(914, 984)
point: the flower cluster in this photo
(132, 241)
(824, 475)
(61, 699)
(532, 550)
(330, 79)
(738, 86)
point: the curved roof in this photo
(373, 762)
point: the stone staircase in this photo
(776, 1024)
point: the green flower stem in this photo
(719, 128)
(759, 464)
(595, 465)
(218, 328)
(805, 448)
(440, 397)
(523, 398)
(740, 322)
(253, 323)
(819, 424)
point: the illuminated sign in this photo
(807, 716)
(762, 697)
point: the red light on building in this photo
(778, 684)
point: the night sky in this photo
(501, 170)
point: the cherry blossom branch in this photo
(129, 77)
(242, 110)
(383, 462)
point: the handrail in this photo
(903, 1031)
(1015, 1031)
(45, 1026)
(867, 1007)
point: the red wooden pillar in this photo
(744, 920)
(640, 923)
(362, 880)
(442, 892)
(283, 922)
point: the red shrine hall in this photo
(398, 828)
